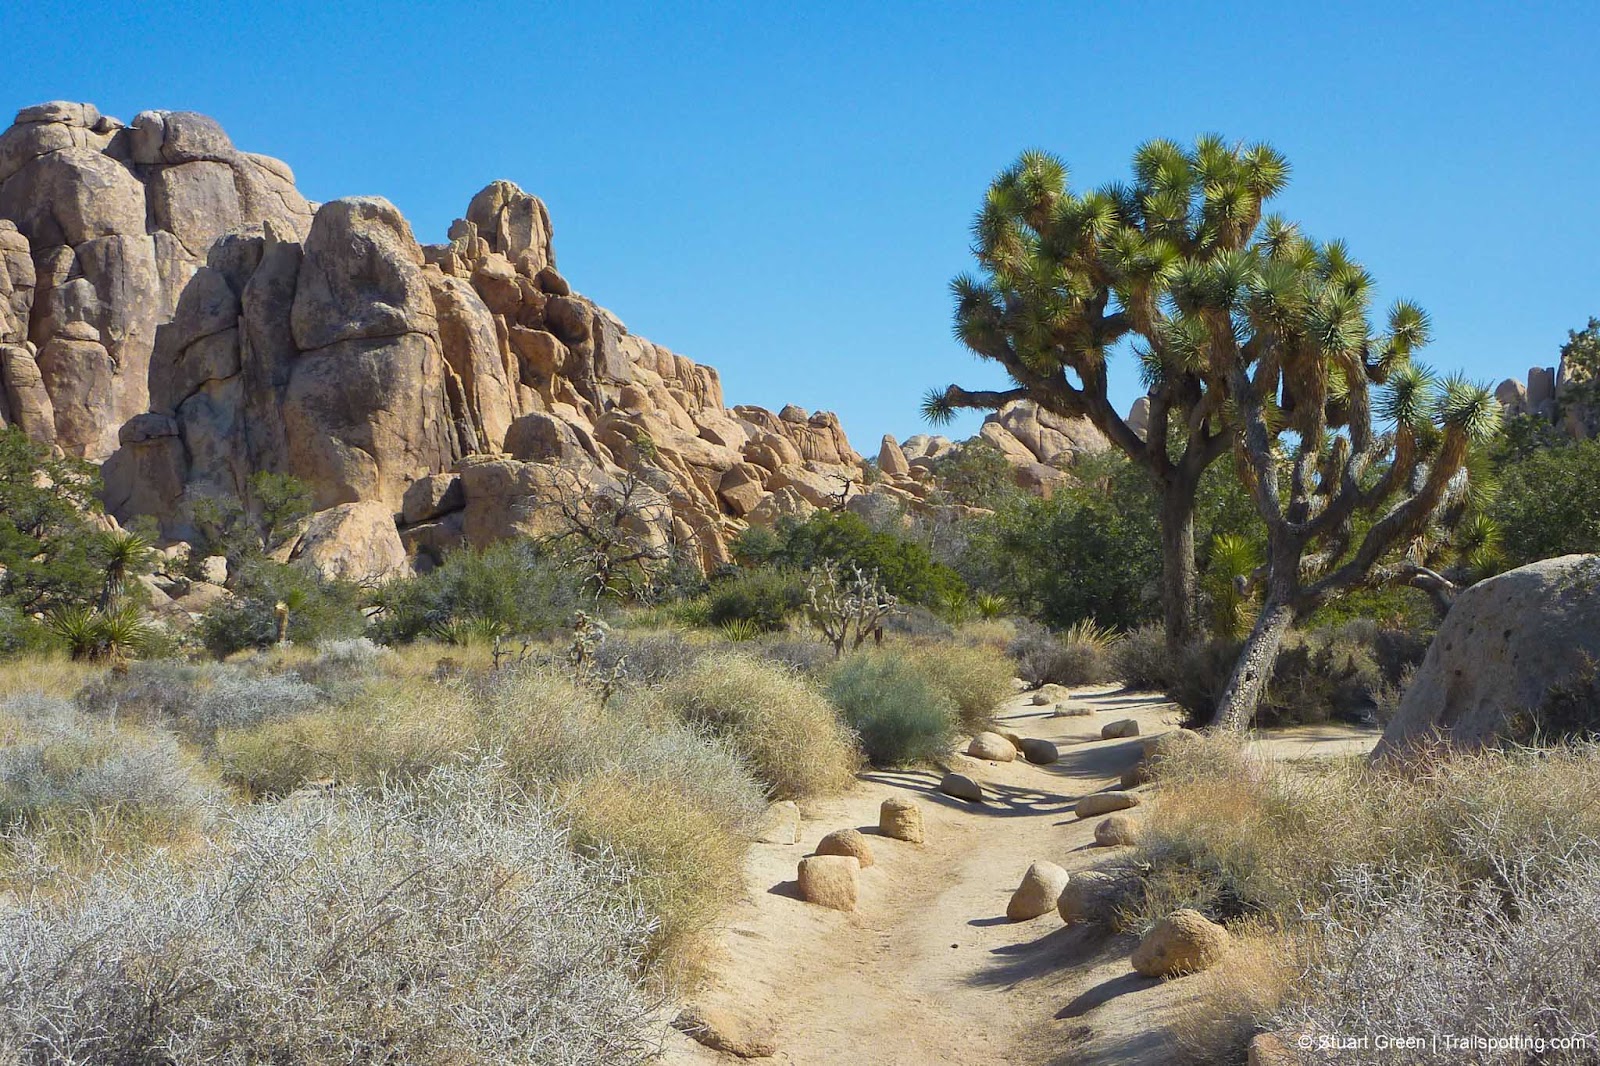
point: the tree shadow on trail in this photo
(1063, 947)
(1001, 801)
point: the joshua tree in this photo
(1340, 501)
(847, 608)
(1068, 278)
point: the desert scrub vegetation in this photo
(1408, 892)
(76, 784)
(901, 716)
(393, 926)
(778, 721)
(974, 678)
(1082, 654)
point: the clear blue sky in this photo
(784, 191)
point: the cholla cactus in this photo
(847, 608)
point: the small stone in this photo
(1105, 803)
(1185, 941)
(830, 881)
(1127, 727)
(901, 819)
(721, 1031)
(1070, 709)
(214, 569)
(961, 787)
(1040, 752)
(846, 842)
(992, 747)
(781, 824)
(1039, 892)
(1117, 830)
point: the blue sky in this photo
(784, 191)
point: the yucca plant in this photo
(126, 555)
(1233, 560)
(91, 634)
(990, 606)
(1091, 633)
(739, 630)
(470, 632)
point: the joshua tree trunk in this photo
(1237, 708)
(1178, 579)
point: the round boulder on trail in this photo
(1126, 727)
(830, 881)
(961, 787)
(1105, 803)
(1117, 830)
(1040, 752)
(901, 819)
(1185, 941)
(992, 747)
(1040, 890)
(846, 842)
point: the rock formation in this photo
(173, 308)
(1546, 397)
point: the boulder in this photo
(721, 1031)
(431, 496)
(1049, 694)
(1105, 803)
(780, 824)
(1039, 752)
(830, 881)
(846, 842)
(1506, 653)
(354, 542)
(1072, 709)
(1116, 830)
(900, 818)
(1097, 896)
(214, 568)
(961, 787)
(1039, 892)
(991, 747)
(1136, 775)
(1126, 727)
(891, 460)
(1183, 942)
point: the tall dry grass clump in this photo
(974, 677)
(447, 923)
(778, 721)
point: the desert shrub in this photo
(69, 776)
(790, 735)
(646, 658)
(319, 609)
(975, 679)
(509, 585)
(196, 700)
(157, 692)
(809, 657)
(21, 635)
(397, 927)
(392, 731)
(1549, 503)
(907, 569)
(764, 598)
(976, 474)
(237, 700)
(1516, 958)
(1141, 659)
(1079, 656)
(1230, 1003)
(899, 714)
(1202, 672)
(918, 622)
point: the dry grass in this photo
(784, 728)
(1410, 892)
(49, 675)
(1236, 999)
(976, 678)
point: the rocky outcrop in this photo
(114, 220)
(1507, 651)
(174, 308)
(1551, 395)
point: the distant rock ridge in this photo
(173, 308)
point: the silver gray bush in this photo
(1515, 955)
(447, 925)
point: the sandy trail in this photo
(928, 969)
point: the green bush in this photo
(508, 587)
(976, 474)
(899, 714)
(765, 598)
(1549, 503)
(319, 609)
(906, 568)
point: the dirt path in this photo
(928, 969)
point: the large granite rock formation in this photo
(173, 307)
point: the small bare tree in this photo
(847, 608)
(618, 535)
